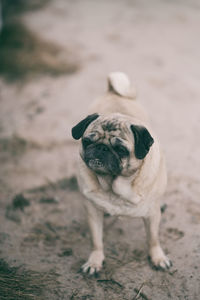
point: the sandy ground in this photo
(44, 237)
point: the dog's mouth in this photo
(97, 166)
(103, 166)
(95, 163)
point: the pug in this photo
(121, 168)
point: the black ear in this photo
(79, 129)
(143, 141)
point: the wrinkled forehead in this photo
(114, 130)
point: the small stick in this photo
(111, 281)
(138, 292)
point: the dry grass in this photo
(16, 283)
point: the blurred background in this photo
(55, 56)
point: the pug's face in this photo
(111, 145)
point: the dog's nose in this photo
(102, 148)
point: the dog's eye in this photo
(121, 151)
(86, 142)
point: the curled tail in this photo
(119, 84)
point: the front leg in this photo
(157, 256)
(95, 220)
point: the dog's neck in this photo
(105, 181)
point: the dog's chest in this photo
(124, 202)
(120, 186)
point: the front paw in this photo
(159, 260)
(94, 263)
